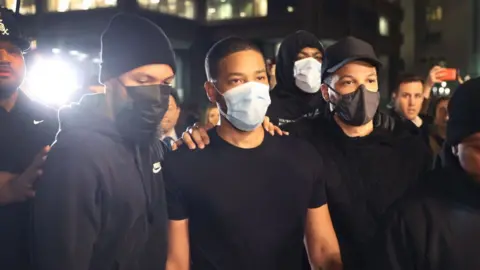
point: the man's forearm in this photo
(177, 265)
(330, 262)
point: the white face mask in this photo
(307, 73)
(247, 105)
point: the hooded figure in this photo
(100, 202)
(297, 93)
(436, 228)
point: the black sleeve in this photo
(319, 197)
(66, 215)
(393, 247)
(176, 203)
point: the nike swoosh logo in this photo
(35, 122)
(157, 167)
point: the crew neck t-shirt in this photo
(246, 207)
(25, 130)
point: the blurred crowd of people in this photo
(293, 165)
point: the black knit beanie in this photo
(464, 112)
(130, 42)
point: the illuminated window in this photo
(234, 9)
(182, 8)
(434, 14)
(383, 26)
(67, 5)
(26, 6)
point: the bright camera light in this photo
(441, 90)
(444, 84)
(435, 89)
(52, 81)
(447, 91)
(55, 50)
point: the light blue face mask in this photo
(247, 105)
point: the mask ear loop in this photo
(329, 100)
(219, 106)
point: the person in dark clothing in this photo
(246, 201)
(376, 166)
(408, 98)
(27, 127)
(439, 129)
(296, 94)
(436, 228)
(100, 202)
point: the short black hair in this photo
(407, 78)
(222, 49)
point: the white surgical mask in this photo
(307, 73)
(247, 105)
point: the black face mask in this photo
(358, 107)
(138, 120)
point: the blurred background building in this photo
(68, 31)
(441, 32)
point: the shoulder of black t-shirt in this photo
(31, 110)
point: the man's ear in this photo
(210, 91)
(324, 89)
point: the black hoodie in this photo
(290, 103)
(100, 203)
(436, 228)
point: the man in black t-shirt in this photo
(377, 166)
(246, 201)
(26, 128)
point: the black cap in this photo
(463, 112)
(345, 51)
(130, 42)
(10, 29)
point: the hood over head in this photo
(287, 55)
(289, 101)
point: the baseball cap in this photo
(345, 51)
(10, 29)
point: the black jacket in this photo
(423, 131)
(25, 130)
(100, 203)
(374, 172)
(289, 103)
(437, 228)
